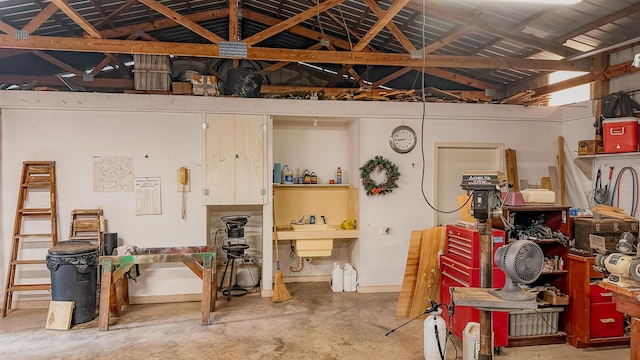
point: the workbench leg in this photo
(207, 277)
(114, 305)
(214, 287)
(635, 338)
(105, 295)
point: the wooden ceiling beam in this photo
(77, 18)
(98, 68)
(294, 20)
(6, 28)
(233, 20)
(41, 18)
(182, 20)
(115, 13)
(62, 65)
(390, 77)
(598, 75)
(457, 78)
(272, 54)
(164, 23)
(353, 33)
(502, 31)
(382, 22)
(54, 81)
(391, 26)
(282, 64)
(448, 39)
(611, 18)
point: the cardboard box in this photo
(206, 85)
(587, 147)
(181, 88)
(590, 147)
(555, 299)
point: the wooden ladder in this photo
(87, 224)
(37, 177)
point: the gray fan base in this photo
(512, 292)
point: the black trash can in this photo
(73, 267)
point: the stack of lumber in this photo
(611, 212)
(421, 282)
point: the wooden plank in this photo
(553, 174)
(39, 19)
(562, 189)
(410, 275)
(428, 281)
(545, 183)
(480, 297)
(59, 316)
(512, 168)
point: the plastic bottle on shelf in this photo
(314, 178)
(312, 219)
(339, 176)
(287, 175)
(350, 278)
(337, 278)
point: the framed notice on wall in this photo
(148, 196)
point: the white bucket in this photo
(337, 278)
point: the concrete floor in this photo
(315, 324)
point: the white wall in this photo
(72, 127)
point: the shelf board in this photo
(555, 272)
(585, 162)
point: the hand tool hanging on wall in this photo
(599, 194)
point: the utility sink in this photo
(316, 242)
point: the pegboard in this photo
(620, 193)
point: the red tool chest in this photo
(460, 267)
(605, 321)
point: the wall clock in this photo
(403, 139)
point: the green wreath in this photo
(379, 163)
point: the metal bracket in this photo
(20, 34)
(416, 54)
(233, 49)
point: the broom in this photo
(280, 292)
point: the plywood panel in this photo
(410, 275)
(428, 281)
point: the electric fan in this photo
(522, 261)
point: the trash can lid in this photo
(73, 247)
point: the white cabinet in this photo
(235, 148)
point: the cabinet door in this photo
(250, 159)
(235, 157)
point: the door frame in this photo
(499, 159)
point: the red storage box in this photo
(606, 321)
(620, 135)
(463, 244)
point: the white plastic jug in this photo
(434, 324)
(350, 278)
(337, 278)
(471, 341)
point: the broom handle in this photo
(275, 238)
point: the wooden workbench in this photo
(628, 302)
(114, 288)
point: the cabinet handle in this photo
(606, 294)
(607, 321)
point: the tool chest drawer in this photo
(599, 295)
(463, 244)
(606, 321)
